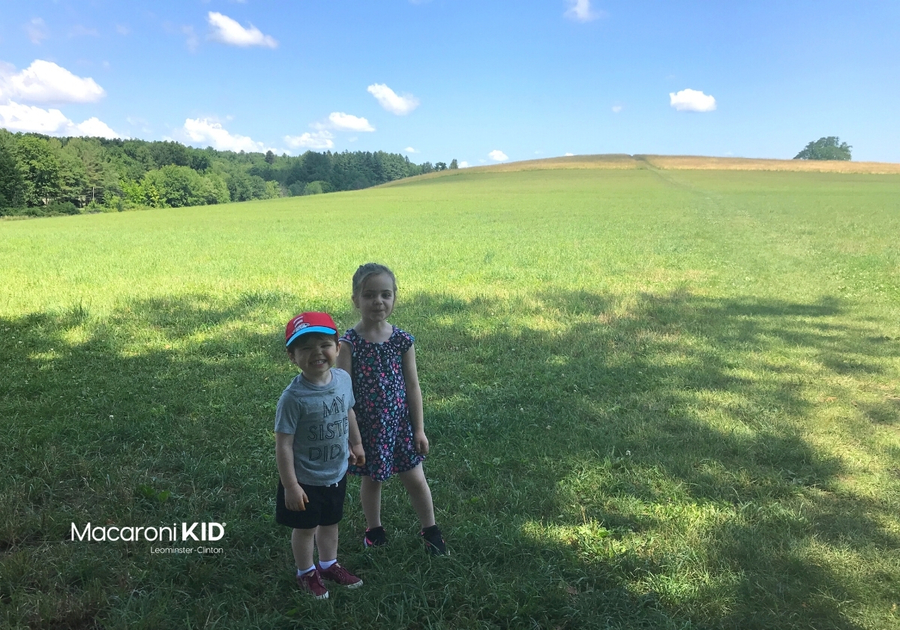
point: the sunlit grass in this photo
(656, 398)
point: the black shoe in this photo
(375, 537)
(434, 542)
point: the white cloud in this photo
(228, 31)
(46, 82)
(323, 138)
(36, 30)
(16, 117)
(192, 42)
(692, 101)
(212, 133)
(617, 108)
(463, 164)
(581, 11)
(410, 150)
(400, 105)
(497, 156)
(569, 154)
(348, 122)
(140, 123)
(82, 31)
(26, 118)
(317, 140)
(95, 128)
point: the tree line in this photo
(42, 175)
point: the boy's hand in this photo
(295, 499)
(357, 455)
(421, 442)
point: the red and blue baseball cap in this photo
(309, 323)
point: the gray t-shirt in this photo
(317, 416)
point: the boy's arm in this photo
(294, 497)
(414, 400)
(357, 453)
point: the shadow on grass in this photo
(682, 418)
(650, 464)
(157, 414)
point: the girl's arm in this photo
(414, 400)
(357, 453)
(345, 362)
(345, 358)
(294, 497)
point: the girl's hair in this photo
(367, 271)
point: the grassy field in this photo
(656, 397)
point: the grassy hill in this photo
(657, 397)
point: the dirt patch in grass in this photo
(607, 161)
(623, 161)
(689, 162)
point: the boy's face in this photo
(314, 354)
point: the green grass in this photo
(656, 399)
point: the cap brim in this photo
(311, 329)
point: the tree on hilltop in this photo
(830, 148)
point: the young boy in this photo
(315, 437)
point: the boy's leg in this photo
(329, 568)
(327, 539)
(419, 494)
(327, 542)
(302, 542)
(308, 578)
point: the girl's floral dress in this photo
(382, 412)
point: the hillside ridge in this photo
(672, 162)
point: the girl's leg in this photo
(327, 542)
(370, 497)
(302, 546)
(419, 494)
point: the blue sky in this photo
(480, 81)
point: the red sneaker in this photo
(312, 583)
(337, 573)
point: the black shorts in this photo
(325, 507)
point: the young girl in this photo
(381, 360)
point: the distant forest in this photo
(43, 176)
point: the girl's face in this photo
(375, 300)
